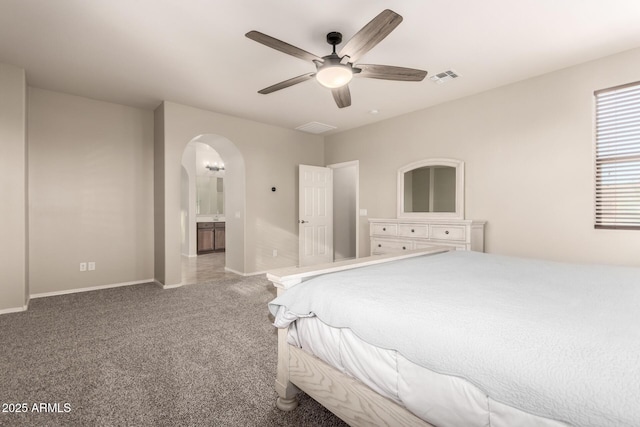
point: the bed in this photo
(456, 338)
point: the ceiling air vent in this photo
(315, 127)
(444, 76)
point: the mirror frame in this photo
(459, 212)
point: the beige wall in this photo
(13, 186)
(90, 191)
(528, 149)
(271, 156)
(158, 195)
(188, 201)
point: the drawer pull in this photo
(446, 232)
(384, 229)
(413, 231)
(404, 248)
(379, 245)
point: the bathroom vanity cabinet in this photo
(211, 237)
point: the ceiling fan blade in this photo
(388, 72)
(282, 46)
(287, 83)
(371, 34)
(342, 96)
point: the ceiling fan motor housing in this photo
(334, 38)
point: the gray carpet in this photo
(200, 355)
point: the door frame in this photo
(356, 164)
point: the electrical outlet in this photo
(92, 266)
(275, 252)
(83, 266)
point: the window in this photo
(617, 193)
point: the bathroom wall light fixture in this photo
(215, 167)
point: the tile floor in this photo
(203, 268)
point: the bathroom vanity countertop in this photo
(209, 218)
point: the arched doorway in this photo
(232, 214)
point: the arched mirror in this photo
(431, 188)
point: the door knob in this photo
(302, 221)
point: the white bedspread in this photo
(556, 340)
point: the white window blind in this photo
(617, 198)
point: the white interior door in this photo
(315, 220)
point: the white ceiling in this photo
(194, 52)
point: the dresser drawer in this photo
(395, 235)
(379, 246)
(384, 229)
(447, 232)
(409, 230)
(430, 244)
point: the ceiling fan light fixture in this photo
(334, 75)
(335, 71)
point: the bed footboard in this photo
(349, 399)
(346, 397)
(287, 400)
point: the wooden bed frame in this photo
(348, 398)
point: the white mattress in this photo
(441, 400)
(560, 341)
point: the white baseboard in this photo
(231, 270)
(255, 273)
(14, 309)
(177, 285)
(91, 288)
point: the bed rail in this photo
(286, 278)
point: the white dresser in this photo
(397, 235)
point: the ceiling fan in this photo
(335, 70)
